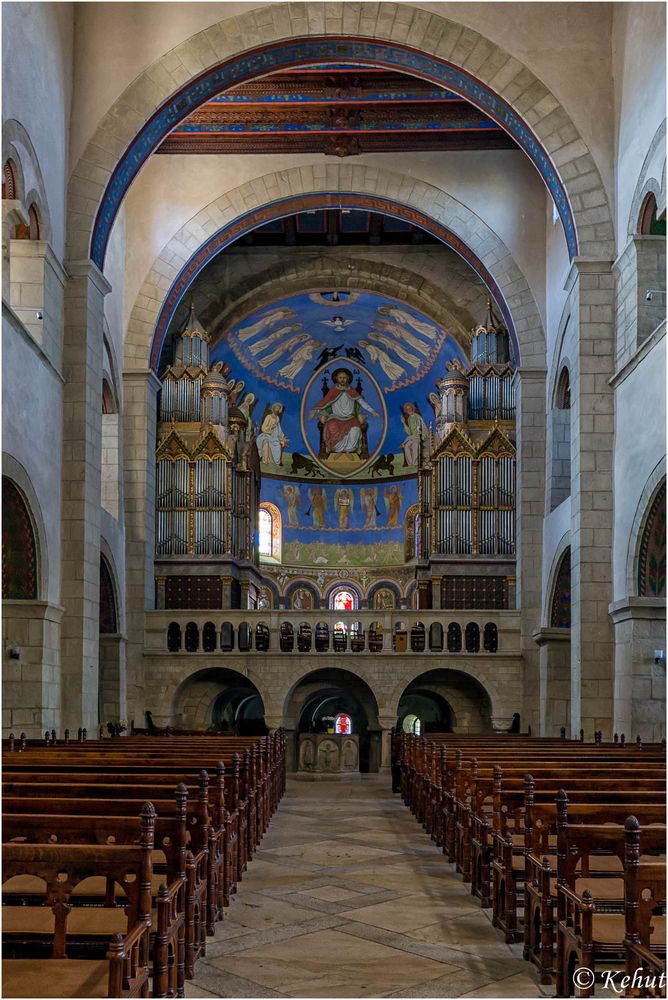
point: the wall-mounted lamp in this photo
(659, 656)
(14, 653)
(651, 292)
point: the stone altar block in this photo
(327, 756)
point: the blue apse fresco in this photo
(341, 386)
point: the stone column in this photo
(113, 680)
(386, 722)
(140, 414)
(31, 692)
(555, 679)
(530, 489)
(436, 593)
(81, 484)
(640, 681)
(591, 289)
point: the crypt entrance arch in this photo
(444, 701)
(219, 699)
(316, 700)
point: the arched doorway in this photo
(218, 699)
(444, 701)
(321, 697)
(423, 711)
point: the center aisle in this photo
(348, 897)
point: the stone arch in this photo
(195, 696)
(281, 193)
(501, 695)
(300, 674)
(463, 690)
(208, 680)
(562, 547)
(292, 34)
(253, 292)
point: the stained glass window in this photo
(344, 601)
(652, 560)
(343, 724)
(19, 552)
(265, 525)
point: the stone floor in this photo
(348, 897)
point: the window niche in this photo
(560, 483)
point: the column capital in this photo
(43, 250)
(547, 635)
(87, 269)
(146, 375)
(585, 265)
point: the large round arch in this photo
(330, 691)
(218, 699)
(296, 189)
(294, 34)
(445, 700)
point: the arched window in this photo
(192, 638)
(174, 637)
(472, 637)
(209, 637)
(340, 637)
(454, 637)
(108, 621)
(648, 224)
(490, 637)
(33, 216)
(269, 532)
(19, 550)
(9, 189)
(563, 398)
(560, 611)
(560, 484)
(411, 724)
(344, 600)
(652, 556)
(343, 724)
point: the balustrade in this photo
(359, 632)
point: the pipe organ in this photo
(207, 480)
(467, 484)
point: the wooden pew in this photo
(590, 932)
(125, 970)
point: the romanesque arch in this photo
(422, 44)
(295, 189)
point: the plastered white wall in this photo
(32, 435)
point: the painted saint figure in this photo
(368, 497)
(343, 502)
(293, 500)
(416, 429)
(271, 440)
(340, 417)
(393, 499)
(318, 499)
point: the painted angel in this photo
(368, 498)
